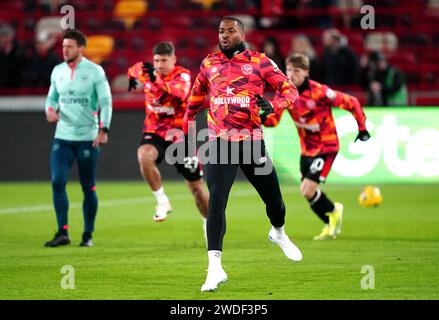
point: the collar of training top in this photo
(229, 53)
(304, 86)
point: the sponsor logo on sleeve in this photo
(186, 77)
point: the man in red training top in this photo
(166, 87)
(234, 78)
(318, 138)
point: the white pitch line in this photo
(142, 200)
(117, 202)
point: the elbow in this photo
(355, 101)
(270, 123)
(291, 99)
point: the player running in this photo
(318, 138)
(235, 77)
(166, 88)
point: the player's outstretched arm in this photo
(350, 103)
(179, 87)
(271, 119)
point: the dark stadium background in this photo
(192, 26)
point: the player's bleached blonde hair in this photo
(298, 60)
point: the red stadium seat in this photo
(399, 58)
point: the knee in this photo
(58, 183)
(197, 190)
(276, 205)
(146, 157)
(217, 203)
(307, 192)
(217, 193)
(88, 190)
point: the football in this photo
(370, 196)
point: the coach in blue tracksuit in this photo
(79, 102)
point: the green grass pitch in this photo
(136, 258)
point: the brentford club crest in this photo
(247, 69)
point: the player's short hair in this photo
(164, 48)
(76, 35)
(298, 60)
(239, 22)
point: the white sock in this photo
(280, 231)
(204, 224)
(205, 230)
(160, 196)
(214, 259)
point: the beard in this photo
(230, 52)
(71, 59)
(231, 47)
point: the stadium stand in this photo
(406, 32)
(382, 41)
(49, 25)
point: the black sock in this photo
(321, 205)
(63, 232)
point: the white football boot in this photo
(281, 239)
(336, 218)
(161, 211)
(214, 278)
